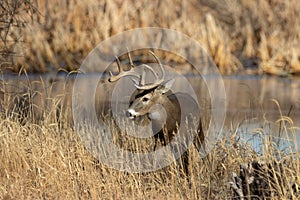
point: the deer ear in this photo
(166, 86)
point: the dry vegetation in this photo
(42, 156)
(47, 160)
(237, 34)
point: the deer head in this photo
(147, 95)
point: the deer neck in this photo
(165, 114)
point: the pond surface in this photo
(257, 106)
(264, 108)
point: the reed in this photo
(46, 160)
(237, 34)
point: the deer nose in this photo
(131, 113)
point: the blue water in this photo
(270, 137)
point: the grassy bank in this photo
(48, 161)
(237, 34)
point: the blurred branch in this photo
(14, 14)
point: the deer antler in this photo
(123, 73)
(139, 83)
(158, 81)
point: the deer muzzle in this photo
(131, 113)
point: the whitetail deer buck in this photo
(144, 100)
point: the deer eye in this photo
(145, 99)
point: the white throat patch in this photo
(158, 112)
(155, 115)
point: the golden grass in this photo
(235, 33)
(46, 161)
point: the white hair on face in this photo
(132, 112)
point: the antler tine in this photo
(130, 60)
(142, 80)
(119, 64)
(160, 65)
(157, 81)
(142, 85)
(112, 78)
(152, 70)
(122, 73)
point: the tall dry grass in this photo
(235, 33)
(43, 160)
